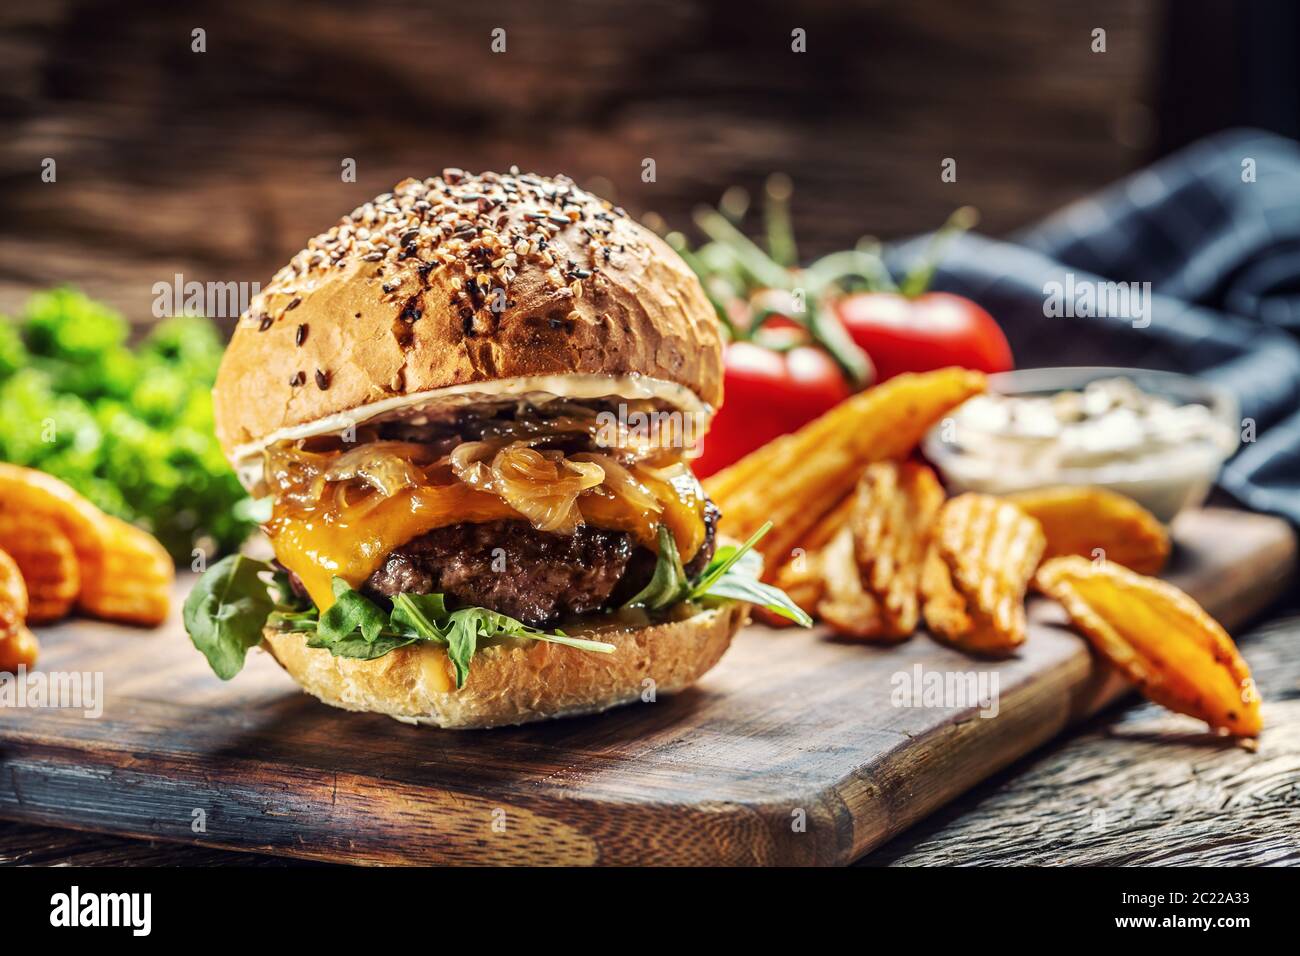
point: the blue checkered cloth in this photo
(1222, 255)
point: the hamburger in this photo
(467, 412)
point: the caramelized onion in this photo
(386, 466)
(543, 486)
(622, 482)
(516, 460)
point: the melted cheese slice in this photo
(322, 543)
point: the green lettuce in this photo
(238, 596)
(733, 574)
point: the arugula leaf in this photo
(462, 638)
(668, 586)
(739, 587)
(294, 621)
(559, 637)
(728, 557)
(470, 625)
(225, 613)
(285, 597)
(357, 627)
(733, 574)
(351, 611)
(355, 645)
(422, 614)
(231, 604)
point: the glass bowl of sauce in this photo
(1158, 437)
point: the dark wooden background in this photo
(219, 165)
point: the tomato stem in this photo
(759, 266)
(734, 203)
(860, 263)
(776, 214)
(831, 335)
(918, 280)
(678, 243)
(763, 273)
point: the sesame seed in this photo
(481, 231)
(322, 379)
(298, 379)
(301, 335)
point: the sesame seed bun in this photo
(515, 683)
(458, 280)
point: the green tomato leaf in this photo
(225, 613)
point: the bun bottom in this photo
(518, 682)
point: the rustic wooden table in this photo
(166, 168)
(1136, 785)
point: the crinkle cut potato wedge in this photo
(1097, 523)
(849, 608)
(1159, 638)
(796, 479)
(47, 560)
(28, 490)
(800, 576)
(895, 505)
(136, 584)
(17, 644)
(952, 620)
(945, 611)
(990, 549)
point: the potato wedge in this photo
(18, 646)
(894, 508)
(797, 479)
(1159, 638)
(1097, 523)
(984, 553)
(135, 586)
(47, 560)
(801, 575)
(849, 608)
(27, 491)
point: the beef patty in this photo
(535, 576)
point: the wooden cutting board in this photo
(790, 751)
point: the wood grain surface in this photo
(1143, 769)
(789, 752)
(1141, 787)
(219, 165)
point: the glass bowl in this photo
(1164, 483)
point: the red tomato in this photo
(930, 331)
(767, 394)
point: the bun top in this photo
(463, 279)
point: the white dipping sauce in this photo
(1163, 454)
